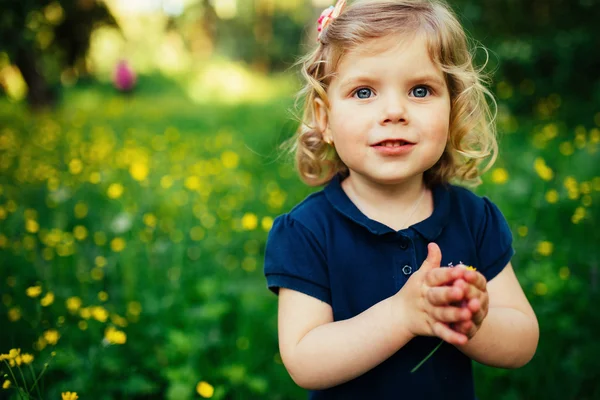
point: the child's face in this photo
(389, 110)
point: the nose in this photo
(394, 111)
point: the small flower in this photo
(205, 389)
(115, 190)
(27, 358)
(34, 291)
(51, 336)
(499, 176)
(69, 396)
(266, 223)
(114, 336)
(545, 248)
(230, 159)
(6, 384)
(99, 313)
(47, 299)
(14, 314)
(542, 169)
(73, 304)
(14, 353)
(249, 221)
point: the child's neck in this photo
(397, 206)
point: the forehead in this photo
(392, 52)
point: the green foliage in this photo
(155, 214)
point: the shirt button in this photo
(407, 270)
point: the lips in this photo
(392, 143)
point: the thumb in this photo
(434, 257)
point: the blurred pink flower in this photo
(124, 77)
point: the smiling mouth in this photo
(392, 143)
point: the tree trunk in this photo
(39, 95)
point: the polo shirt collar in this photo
(429, 228)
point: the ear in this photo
(322, 119)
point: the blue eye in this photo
(363, 93)
(421, 91)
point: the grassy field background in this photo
(132, 231)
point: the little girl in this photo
(394, 111)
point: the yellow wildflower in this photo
(266, 223)
(249, 221)
(205, 389)
(34, 291)
(499, 176)
(542, 169)
(230, 159)
(14, 353)
(27, 358)
(85, 313)
(545, 248)
(32, 226)
(14, 314)
(80, 232)
(99, 313)
(115, 190)
(139, 171)
(47, 299)
(6, 384)
(73, 304)
(117, 244)
(552, 196)
(114, 336)
(51, 336)
(69, 396)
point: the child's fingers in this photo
(443, 295)
(474, 305)
(463, 327)
(475, 278)
(450, 314)
(442, 276)
(470, 290)
(449, 335)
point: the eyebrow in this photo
(364, 79)
(429, 78)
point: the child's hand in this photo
(425, 302)
(476, 299)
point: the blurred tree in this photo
(46, 39)
(546, 47)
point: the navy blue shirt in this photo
(327, 248)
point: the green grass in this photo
(200, 185)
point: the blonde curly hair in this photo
(472, 134)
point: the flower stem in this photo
(14, 378)
(38, 378)
(426, 358)
(35, 381)
(24, 381)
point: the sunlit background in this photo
(140, 173)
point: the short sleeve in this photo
(295, 260)
(494, 241)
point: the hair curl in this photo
(472, 134)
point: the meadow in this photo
(132, 232)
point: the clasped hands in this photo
(450, 303)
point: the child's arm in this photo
(319, 353)
(508, 336)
